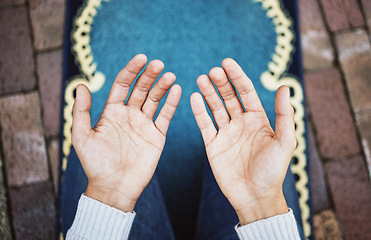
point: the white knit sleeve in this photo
(277, 227)
(96, 220)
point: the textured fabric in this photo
(151, 220)
(95, 220)
(217, 218)
(273, 228)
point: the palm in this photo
(120, 154)
(249, 160)
(126, 140)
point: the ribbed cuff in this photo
(277, 227)
(96, 220)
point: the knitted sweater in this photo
(96, 220)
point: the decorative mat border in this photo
(271, 79)
(275, 77)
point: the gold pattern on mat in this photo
(84, 58)
(275, 77)
(93, 79)
(272, 79)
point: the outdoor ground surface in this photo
(335, 37)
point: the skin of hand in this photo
(120, 154)
(248, 159)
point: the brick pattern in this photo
(31, 35)
(9, 3)
(33, 211)
(338, 95)
(320, 197)
(49, 66)
(5, 232)
(326, 226)
(16, 52)
(355, 59)
(53, 150)
(23, 139)
(367, 11)
(353, 12)
(363, 122)
(316, 47)
(336, 58)
(47, 23)
(331, 114)
(342, 14)
(351, 190)
(335, 14)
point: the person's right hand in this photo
(249, 160)
(120, 154)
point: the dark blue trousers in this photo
(216, 219)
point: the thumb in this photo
(81, 125)
(285, 123)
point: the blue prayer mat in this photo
(190, 37)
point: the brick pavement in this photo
(31, 40)
(337, 63)
(338, 105)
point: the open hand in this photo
(120, 154)
(249, 160)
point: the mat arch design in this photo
(272, 79)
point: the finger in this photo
(227, 91)
(203, 119)
(167, 112)
(81, 125)
(124, 79)
(285, 123)
(144, 83)
(213, 101)
(244, 86)
(157, 93)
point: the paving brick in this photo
(351, 193)
(17, 68)
(316, 47)
(350, 43)
(319, 193)
(326, 226)
(33, 211)
(335, 14)
(23, 139)
(342, 14)
(47, 18)
(366, 5)
(364, 127)
(5, 232)
(333, 122)
(53, 150)
(50, 82)
(7, 3)
(355, 59)
(354, 14)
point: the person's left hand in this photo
(249, 160)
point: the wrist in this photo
(262, 209)
(110, 197)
